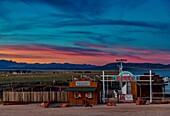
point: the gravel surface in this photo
(96, 110)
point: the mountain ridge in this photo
(9, 64)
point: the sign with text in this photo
(125, 76)
(82, 83)
(126, 98)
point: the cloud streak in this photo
(81, 55)
(109, 23)
(85, 31)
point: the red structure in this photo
(84, 91)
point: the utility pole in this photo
(103, 88)
(121, 69)
(150, 86)
(121, 64)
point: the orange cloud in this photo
(48, 54)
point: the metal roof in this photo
(81, 89)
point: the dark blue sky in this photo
(85, 31)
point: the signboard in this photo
(125, 76)
(82, 83)
(126, 98)
(166, 80)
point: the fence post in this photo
(23, 94)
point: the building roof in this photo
(82, 89)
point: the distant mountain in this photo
(5, 64)
(137, 66)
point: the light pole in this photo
(121, 64)
(103, 88)
(150, 86)
(121, 68)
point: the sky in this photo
(85, 31)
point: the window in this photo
(77, 94)
(89, 95)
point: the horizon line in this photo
(83, 63)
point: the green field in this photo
(7, 78)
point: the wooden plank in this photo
(52, 96)
(45, 96)
(36, 96)
(58, 96)
(65, 97)
(4, 96)
(55, 96)
(62, 97)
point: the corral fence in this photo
(36, 97)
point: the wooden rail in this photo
(33, 97)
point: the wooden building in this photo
(84, 91)
(141, 88)
(130, 87)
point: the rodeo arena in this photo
(122, 93)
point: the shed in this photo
(84, 91)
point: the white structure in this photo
(124, 76)
(150, 86)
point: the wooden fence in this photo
(33, 97)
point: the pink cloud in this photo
(45, 54)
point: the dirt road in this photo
(97, 110)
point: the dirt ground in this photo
(96, 110)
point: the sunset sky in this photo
(85, 31)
